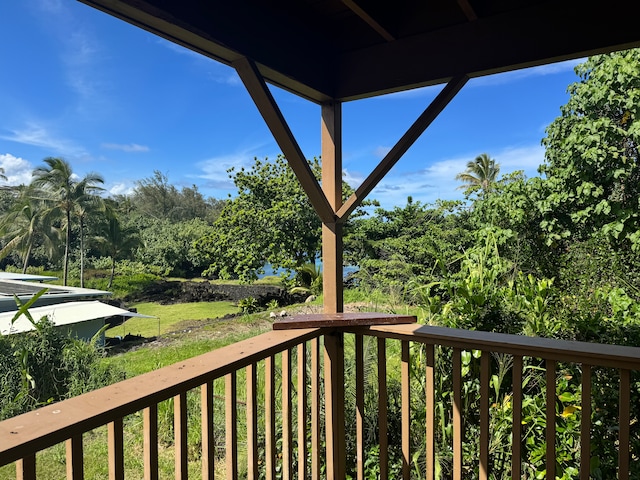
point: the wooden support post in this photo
(331, 138)
(334, 405)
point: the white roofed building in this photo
(78, 319)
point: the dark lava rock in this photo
(167, 292)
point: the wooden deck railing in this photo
(277, 379)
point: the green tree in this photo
(480, 174)
(591, 157)
(510, 209)
(86, 206)
(170, 246)
(116, 241)
(269, 221)
(26, 224)
(393, 247)
(65, 194)
(157, 198)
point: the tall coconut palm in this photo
(482, 173)
(26, 224)
(86, 204)
(57, 180)
(116, 240)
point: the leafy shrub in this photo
(248, 305)
(43, 366)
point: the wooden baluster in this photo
(485, 375)
(115, 442)
(624, 401)
(383, 439)
(231, 423)
(551, 419)
(208, 440)
(287, 454)
(302, 411)
(181, 447)
(359, 352)
(406, 412)
(457, 414)
(150, 422)
(270, 418)
(75, 461)
(252, 423)
(26, 468)
(516, 452)
(585, 424)
(430, 453)
(315, 409)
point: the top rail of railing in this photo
(47, 426)
(594, 354)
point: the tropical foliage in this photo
(481, 174)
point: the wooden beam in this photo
(539, 34)
(369, 20)
(399, 149)
(332, 248)
(226, 31)
(468, 10)
(334, 406)
(274, 119)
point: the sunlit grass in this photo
(169, 317)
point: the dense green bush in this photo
(43, 366)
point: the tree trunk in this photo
(67, 247)
(81, 253)
(113, 271)
(27, 255)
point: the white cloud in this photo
(219, 72)
(353, 179)
(121, 188)
(17, 170)
(129, 148)
(381, 151)
(39, 136)
(516, 75)
(437, 181)
(79, 49)
(215, 169)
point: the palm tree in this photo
(85, 205)
(65, 193)
(25, 224)
(116, 240)
(481, 173)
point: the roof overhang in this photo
(63, 314)
(9, 289)
(344, 50)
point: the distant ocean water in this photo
(269, 271)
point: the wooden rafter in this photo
(369, 20)
(274, 119)
(478, 48)
(293, 50)
(408, 139)
(468, 10)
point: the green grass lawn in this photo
(189, 344)
(169, 317)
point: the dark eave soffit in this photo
(292, 44)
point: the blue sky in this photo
(111, 98)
